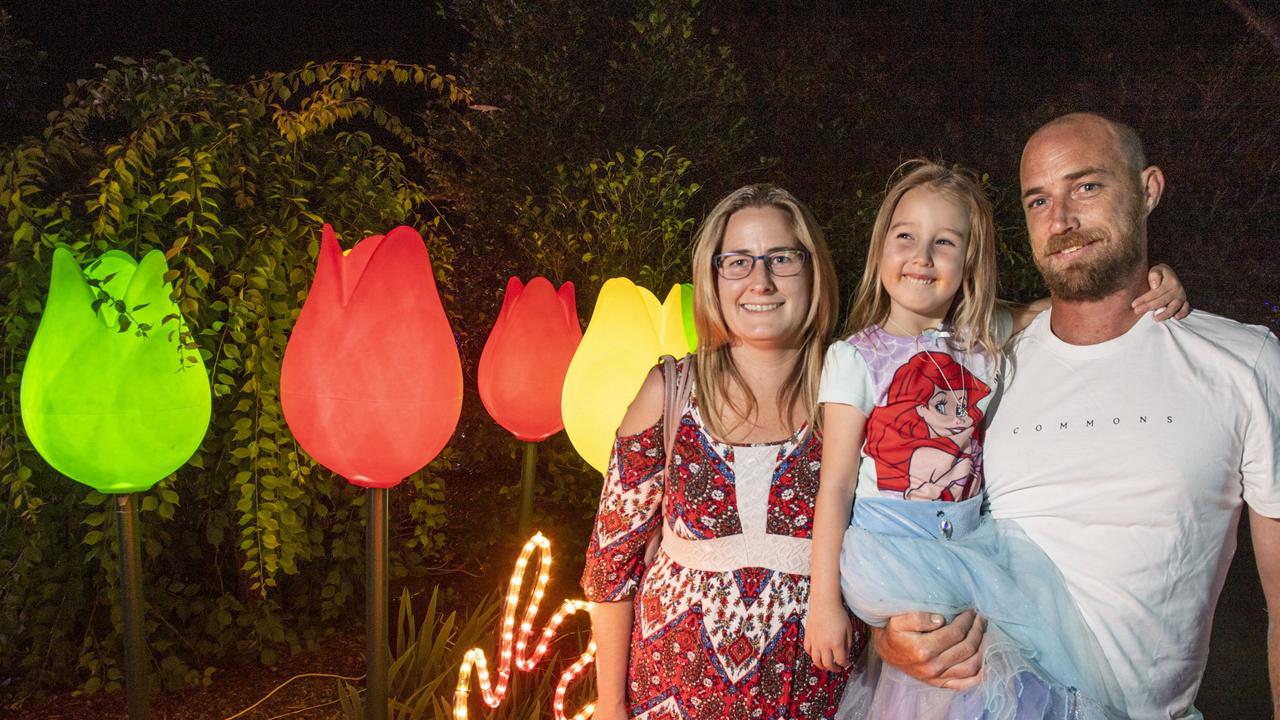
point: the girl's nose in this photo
(923, 254)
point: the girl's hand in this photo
(1166, 297)
(828, 636)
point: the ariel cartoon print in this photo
(925, 437)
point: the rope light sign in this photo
(513, 646)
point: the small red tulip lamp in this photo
(371, 387)
(522, 369)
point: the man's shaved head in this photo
(1126, 139)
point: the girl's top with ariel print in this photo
(924, 400)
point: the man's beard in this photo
(1109, 269)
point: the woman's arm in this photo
(611, 621)
(611, 629)
(828, 631)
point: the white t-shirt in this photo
(1127, 462)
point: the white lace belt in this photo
(725, 554)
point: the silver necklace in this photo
(962, 408)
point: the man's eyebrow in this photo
(1073, 175)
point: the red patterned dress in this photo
(719, 612)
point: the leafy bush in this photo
(622, 216)
(250, 548)
(424, 669)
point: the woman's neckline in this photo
(793, 437)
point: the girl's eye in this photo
(940, 406)
(946, 241)
(904, 236)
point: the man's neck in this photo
(1089, 322)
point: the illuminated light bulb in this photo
(475, 660)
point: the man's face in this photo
(1085, 212)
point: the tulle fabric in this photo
(1040, 659)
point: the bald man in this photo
(1124, 447)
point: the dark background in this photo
(839, 94)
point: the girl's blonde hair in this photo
(713, 364)
(973, 309)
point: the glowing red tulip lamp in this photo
(522, 369)
(371, 387)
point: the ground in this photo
(1235, 684)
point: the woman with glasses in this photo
(712, 625)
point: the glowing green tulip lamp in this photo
(110, 398)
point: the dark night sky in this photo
(238, 38)
(242, 38)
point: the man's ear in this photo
(1151, 183)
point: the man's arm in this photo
(920, 645)
(1266, 548)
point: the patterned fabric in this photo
(713, 643)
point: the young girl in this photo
(904, 398)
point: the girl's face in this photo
(922, 261)
(763, 309)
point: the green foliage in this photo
(623, 216)
(232, 182)
(424, 668)
(563, 84)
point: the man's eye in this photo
(1036, 202)
(1090, 186)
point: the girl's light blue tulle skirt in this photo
(1040, 660)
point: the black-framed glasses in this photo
(778, 263)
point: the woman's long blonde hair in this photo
(713, 364)
(973, 309)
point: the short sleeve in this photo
(1261, 463)
(628, 517)
(1001, 323)
(846, 378)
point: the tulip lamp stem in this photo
(136, 676)
(527, 472)
(377, 650)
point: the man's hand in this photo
(945, 656)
